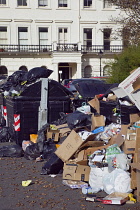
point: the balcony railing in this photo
(67, 47)
(103, 48)
(94, 49)
(25, 48)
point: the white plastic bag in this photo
(95, 178)
(117, 181)
(84, 108)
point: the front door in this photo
(63, 71)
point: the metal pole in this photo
(100, 57)
(100, 67)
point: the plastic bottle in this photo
(87, 190)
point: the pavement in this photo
(45, 192)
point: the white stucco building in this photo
(74, 38)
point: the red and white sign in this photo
(17, 122)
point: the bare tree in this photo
(130, 22)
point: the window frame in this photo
(65, 41)
(63, 4)
(39, 32)
(6, 37)
(43, 6)
(108, 39)
(3, 5)
(85, 40)
(19, 39)
(107, 5)
(22, 3)
(87, 6)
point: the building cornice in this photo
(43, 21)
(5, 20)
(88, 22)
(63, 21)
(23, 20)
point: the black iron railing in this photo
(67, 47)
(60, 48)
(25, 48)
(103, 48)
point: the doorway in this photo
(63, 71)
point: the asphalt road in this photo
(45, 192)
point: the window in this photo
(62, 3)
(43, 36)
(42, 3)
(2, 2)
(63, 35)
(87, 3)
(88, 37)
(23, 36)
(107, 4)
(107, 33)
(3, 35)
(87, 72)
(22, 2)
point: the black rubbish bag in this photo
(32, 152)
(54, 165)
(78, 119)
(17, 77)
(42, 137)
(11, 151)
(5, 134)
(36, 73)
(61, 120)
(48, 149)
(13, 80)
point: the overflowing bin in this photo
(23, 110)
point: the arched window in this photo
(87, 71)
(3, 70)
(23, 68)
(44, 67)
(106, 70)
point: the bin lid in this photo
(89, 90)
(55, 89)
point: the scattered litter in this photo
(26, 183)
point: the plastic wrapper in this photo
(96, 178)
(74, 184)
(117, 181)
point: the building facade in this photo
(74, 38)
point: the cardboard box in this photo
(81, 155)
(53, 134)
(116, 198)
(117, 139)
(131, 134)
(123, 131)
(129, 146)
(95, 104)
(136, 166)
(134, 118)
(75, 172)
(97, 121)
(128, 86)
(71, 144)
(64, 130)
(58, 132)
(91, 150)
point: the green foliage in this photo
(123, 64)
